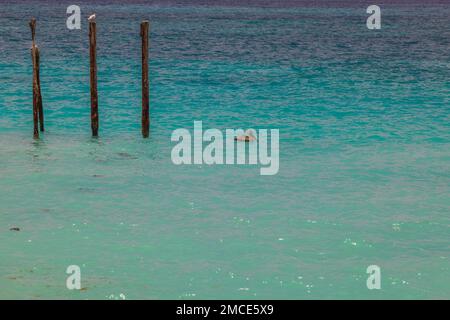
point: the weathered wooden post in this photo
(39, 95)
(145, 85)
(37, 99)
(93, 73)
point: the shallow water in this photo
(364, 153)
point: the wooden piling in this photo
(37, 100)
(38, 90)
(145, 82)
(93, 75)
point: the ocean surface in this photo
(364, 174)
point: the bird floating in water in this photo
(248, 136)
(91, 17)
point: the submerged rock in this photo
(14, 229)
(126, 155)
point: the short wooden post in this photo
(145, 82)
(93, 75)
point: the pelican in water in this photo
(248, 136)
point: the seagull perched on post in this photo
(91, 17)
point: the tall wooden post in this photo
(37, 99)
(39, 95)
(145, 85)
(93, 74)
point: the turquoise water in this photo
(364, 173)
